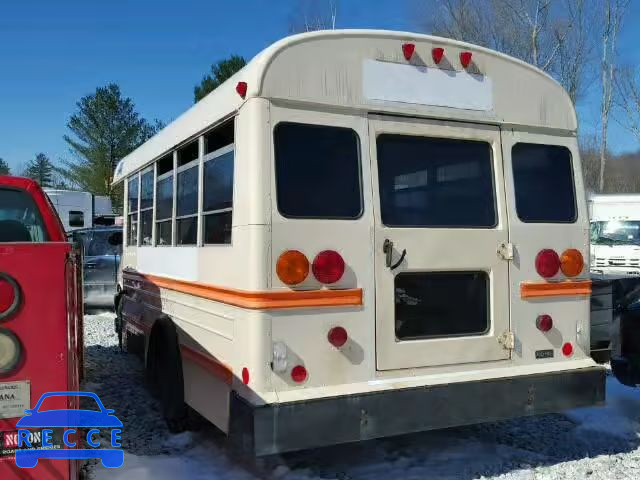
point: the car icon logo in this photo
(69, 420)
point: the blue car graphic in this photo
(111, 458)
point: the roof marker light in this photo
(437, 54)
(408, 49)
(465, 59)
(241, 88)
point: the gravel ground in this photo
(593, 443)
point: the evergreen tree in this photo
(220, 72)
(105, 128)
(41, 170)
(4, 167)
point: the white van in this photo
(79, 209)
(361, 234)
(615, 234)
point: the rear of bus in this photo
(40, 315)
(428, 218)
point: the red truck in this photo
(40, 319)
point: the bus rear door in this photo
(442, 290)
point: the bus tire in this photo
(166, 374)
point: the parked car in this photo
(101, 261)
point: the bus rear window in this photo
(543, 182)
(20, 219)
(317, 171)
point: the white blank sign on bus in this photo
(395, 82)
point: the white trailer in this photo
(79, 209)
(615, 234)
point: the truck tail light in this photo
(547, 263)
(571, 262)
(292, 267)
(328, 267)
(9, 296)
(10, 352)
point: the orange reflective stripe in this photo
(208, 363)
(555, 289)
(266, 300)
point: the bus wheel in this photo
(167, 376)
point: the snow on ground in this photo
(590, 443)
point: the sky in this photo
(54, 52)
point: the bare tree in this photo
(311, 15)
(627, 99)
(554, 36)
(614, 11)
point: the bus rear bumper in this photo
(276, 428)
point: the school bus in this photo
(361, 234)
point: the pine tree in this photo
(105, 128)
(41, 170)
(4, 167)
(220, 72)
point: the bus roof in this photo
(368, 72)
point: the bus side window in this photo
(132, 205)
(218, 198)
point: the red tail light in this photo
(437, 54)
(547, 263)
(544, 323)
(408, 49)
(241, 88)
(9, 296)
(245, 376)
(328, 267)
(465, 59)
(298, 374)
(567, 349)
(337, 336)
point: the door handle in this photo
(387, 249)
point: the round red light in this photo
(337, 336)
(567, 349)
(298, 374)
(245, 376)
(547, 263)
(544, 323)
(328, 267)
(9, 296)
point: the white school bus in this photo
(362, 234)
